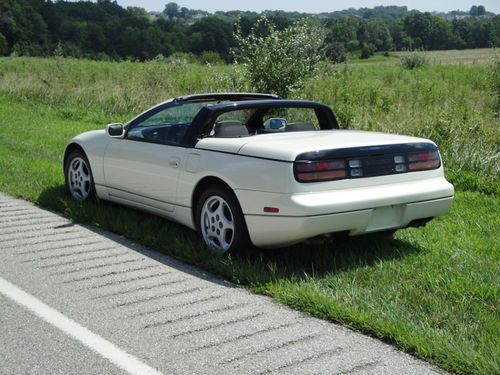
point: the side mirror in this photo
(276, 124)
(115, 130)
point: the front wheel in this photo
(78, 176)
(220, 221)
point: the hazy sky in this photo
(312, 6)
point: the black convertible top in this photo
(233, 96)
(215, 104)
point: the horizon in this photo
(313, 6)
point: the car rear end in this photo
(356, 189)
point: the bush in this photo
(414, 59)
(336, 52)
(279, 61)
(367, 50)
(211, 57)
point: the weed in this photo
(414, 59)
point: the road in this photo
(80, 300)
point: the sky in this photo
(312, 6)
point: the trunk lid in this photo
(287, 146)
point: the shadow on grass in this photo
(309, 259)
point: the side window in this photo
(166, 126)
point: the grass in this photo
(433, 292)
(479, 56)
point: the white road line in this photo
(98, 344)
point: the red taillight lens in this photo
(319, 166)
(423, 165)
(434, 155)
(424, 161)
(321, 176)
(320, 171)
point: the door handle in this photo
(174, 162)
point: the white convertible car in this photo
(257, 169)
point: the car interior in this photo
(163, 127)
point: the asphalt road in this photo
(78, 300)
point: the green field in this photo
(479, 56)
(433, 291)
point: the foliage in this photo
(104, 30)
(367, 50)
(210, 57)
(4, 47)
(171, 10)
(335, 52)
(494, 80)
(477, 11)
(414, 59)
(280, 61)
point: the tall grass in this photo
(113, 88)
(455, 106)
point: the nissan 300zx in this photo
(257, 169)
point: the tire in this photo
(78, 176)
(220, 221)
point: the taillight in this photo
(418, 162)
(306, 171)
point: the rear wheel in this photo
(78, 176)
(220, 221)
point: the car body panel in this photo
(287, 146)
(277, 231)
(94, 144)
(148, 171)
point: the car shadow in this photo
(180, 248)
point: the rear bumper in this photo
(357, 210)
(269, 231)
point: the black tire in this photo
(78, 176)
(212, 224)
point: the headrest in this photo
(230, 129)
(299, 127)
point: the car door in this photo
(143, 167)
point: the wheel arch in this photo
(201, 186)
(73, 146)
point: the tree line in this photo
(105, 30)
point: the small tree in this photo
(171, 10)
(58, 51)
(279, 61)
(367, 50)
(336, 52)
(473, 11)
(4, 46)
